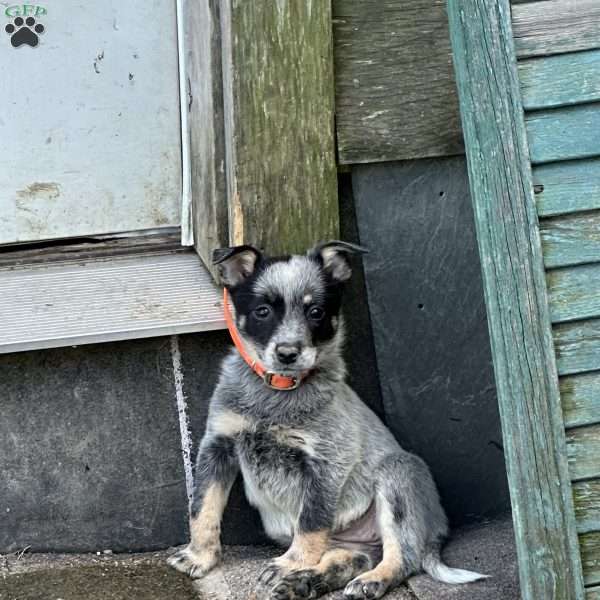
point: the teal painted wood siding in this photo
(560, 80)
(563, 133)
(567, 187)
(560, 89)
(518, 312)
(556, 27)
(556, 59)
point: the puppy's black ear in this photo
(334, 258)
(236, 264)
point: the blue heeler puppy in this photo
(330, 481)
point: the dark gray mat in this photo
(429, 324)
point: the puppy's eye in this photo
(262, 312)
(316, 313)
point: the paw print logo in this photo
(24, 32)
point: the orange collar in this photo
(272, 380)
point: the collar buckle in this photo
(268, 379)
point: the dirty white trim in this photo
(186, 442)
(187, 232)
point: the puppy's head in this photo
(287, 309)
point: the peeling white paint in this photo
(186, 440)
(374, 115)
(187, 233)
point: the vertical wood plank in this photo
(207, 143)
(518, 316)
(395, 92)
(279, 103)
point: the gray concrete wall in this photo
(90, 445)
(90, 437)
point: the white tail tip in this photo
(445, 574)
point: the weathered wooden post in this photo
(262, 120)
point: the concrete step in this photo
(106, 299)
(488, 548)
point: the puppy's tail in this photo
(433, 566)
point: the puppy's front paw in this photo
(193, 563)
(365, 589)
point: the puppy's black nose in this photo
(287, 353)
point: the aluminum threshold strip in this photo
(96, 301)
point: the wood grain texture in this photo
(577, 346)
(567, 187)
(91, 248)
(515, 291)
(395, 91)
(590, 555)
(574, 293)
(556, 27)
(583, 448)
(203, 62)
(279, 123)
(581, 400)
(563, 133)
(571, 239)
(586, 495)
(561, 80)
(592, 593)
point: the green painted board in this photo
(561, 80)
(515, 291)
(592, 593)
(567, 187)
(556, 26)
(583, 448)
(590, 556)
(577, 346)
(564, 133)
(587, 506)
(580, 396)
(571, 240)
(574, 293)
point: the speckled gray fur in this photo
(316, 458)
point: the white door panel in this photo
(89, 122)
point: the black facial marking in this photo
(260, 328)
(247, 301)
(330, 302)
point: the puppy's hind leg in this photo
(408, 511)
